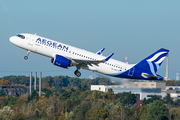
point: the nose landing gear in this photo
(26, 57)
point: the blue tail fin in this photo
(152, 63)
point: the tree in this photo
(45, 85)
(10, 101)
(59, 90)
(2, 93)
(19, 116)
(99, 114)
(119, 112)
(157, 111)
(167, 99)
(150, 100)
(34, 95)
(81, 110)
(143, 112)
(95, 95)
(128, 98)
(110, 90)
(174, 113)
(65, 95)
(4, 82)
(2, 102)
(48, 93)
(6, 112)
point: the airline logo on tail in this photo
(147, 68)
(156, 61)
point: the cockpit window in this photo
(21, 36)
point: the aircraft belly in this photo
(91, 67)
(107, 70)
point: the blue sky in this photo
(136, 28)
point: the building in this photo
(142, 92)
(172, 88)
(142, 89)
(174, 91)
(150, 85)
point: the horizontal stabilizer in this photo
(150, 76)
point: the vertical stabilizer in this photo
(152, 63)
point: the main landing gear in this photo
(77, 73)
(26, 57)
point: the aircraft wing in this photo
(90, 62)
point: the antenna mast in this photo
(126, 58)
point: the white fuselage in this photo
(50, 48)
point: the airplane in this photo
(65, 56)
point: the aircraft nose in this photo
(12, 39)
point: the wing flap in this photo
(90, 62)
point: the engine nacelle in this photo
(61, 61)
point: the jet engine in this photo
(61, 61)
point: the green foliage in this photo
(43, 114)
(19, 116)
(97, 114)
(174, 113)
(95, 95)
(74, 101)
(143, 112)
(119, 112)
(68, 105)
(157, 111)
(128, 98)
(34, 95)
(59, 90)
(150, 100)
(44, 90)
(73, 90)
(81, 110)
(60, 81)
(18, 79)
(110, 90)
(2, 93)
(4, 82)
(10, 100)
(65, 95)
(2, 102)
(6, 112)
(167, 99)
(48, 93)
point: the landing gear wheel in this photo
(25, 57)
(77, 73)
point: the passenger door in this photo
(31, 41)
